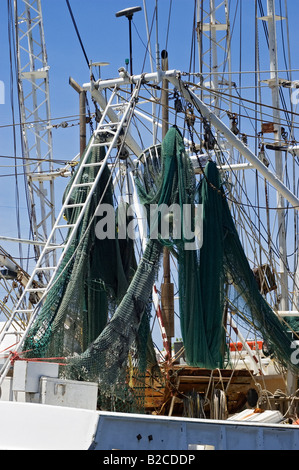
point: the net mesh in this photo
(86, 315)
(200, 272)
(244, 294)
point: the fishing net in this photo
(91, 277)
(200, 284)
(204, 273)
(89, 286)
(244, 294)
(97, 313)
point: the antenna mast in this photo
(213, 36)
(34, 101)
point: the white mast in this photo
(271, 18)
(274, 85)
(213, 37)
(33, 89)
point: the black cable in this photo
(68, 118)
(146, 46)
(36, 160)
(85, 55)
(168, 26)
(16, 176)
(77, 31)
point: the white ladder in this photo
(114, 130)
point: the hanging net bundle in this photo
(200, 285)
(93, 314)
(244, 292)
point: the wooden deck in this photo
(185, 383)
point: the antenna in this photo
(129, 12)
(99, 65)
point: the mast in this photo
(129, 13)
(274, 85)
(34, 101)
(82, 112)
(214, 48)
(167, 288)
(213, 38)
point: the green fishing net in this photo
(97, 313)
(244, 292)
(90, 285)
(200, 283)
(219, 262)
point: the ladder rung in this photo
(45, 268)
(15, 332)
(105, 124)
(69, 206)
(118, 105)
(24, 311)
(65, 226)
(37, 289)
(102, 144)
(92, 164)
(54, 247)
(81, 185)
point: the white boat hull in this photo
(27, 426)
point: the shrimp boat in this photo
(161, 310)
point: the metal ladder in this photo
(114, 129)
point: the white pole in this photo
(278, 157)
(154, 106)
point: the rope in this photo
(16, 356)
(6, 349)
